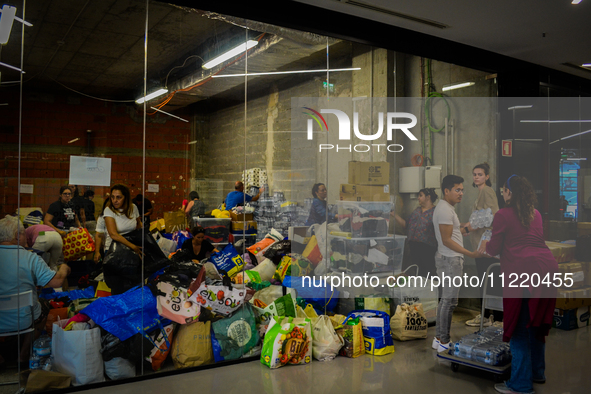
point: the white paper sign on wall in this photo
(153, 187)
(90, 171)
(26, 189)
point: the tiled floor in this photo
(413, 368)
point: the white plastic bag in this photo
(325, 341)
(119, 368)
(167, 246)
(77, 354)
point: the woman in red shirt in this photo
(529, 295)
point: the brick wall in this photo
(51, 123)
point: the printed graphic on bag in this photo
(415, 322)
(77, 244)
(240, 332)
(288, 341)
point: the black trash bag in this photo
(276, 251)
(182, 256)
(130, 349)
(122, 268)
(154, 257)
(112, 347)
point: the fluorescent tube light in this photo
(287, 72)
(11, 67)
(149, 97)
(580, 158)
(520, 107)
(457, 86)
(230, 54)
(586, 65)
(171, 115)
(6, 20)
(74, 140)
(576, 1)
(577, 134)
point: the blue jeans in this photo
(527, 352)
(451, 267)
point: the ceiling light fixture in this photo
(520, 107)
(576, 1)
(151, 96)
(11, 67)
(6, 19)
(457, 86)
(586, 65)
(230, 54)
(287, 72)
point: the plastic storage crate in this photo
(364, 219)
(366, 255)
(216, 230)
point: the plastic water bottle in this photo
(42, 346)
(34, 361)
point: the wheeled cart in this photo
(500, 373)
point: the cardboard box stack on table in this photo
(368, 181)
(573, 299)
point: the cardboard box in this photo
(249, 227)
(243, 217)
(174, 221)
(572, 299)
(563, 253)
(158, 225)
(369, 173)
(351, 192)
(575, 271)
(571, 319)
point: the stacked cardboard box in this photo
(563, 253)
(368, 181)
(573, 301)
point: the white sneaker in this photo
(489, 322)
(498, 324)
(474, 322)
(435, 344)
(443, 347)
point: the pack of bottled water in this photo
(485, 347)
(481, 218)
(41, 357)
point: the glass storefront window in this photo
(322, 144)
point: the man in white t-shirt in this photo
(449, 259)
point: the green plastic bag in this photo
(287, 341)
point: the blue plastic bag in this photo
(72, 294)
(323, 299)
(228, 260)
(127, 314)
(376, 331)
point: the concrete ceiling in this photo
(96, 48)
(550, 33)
